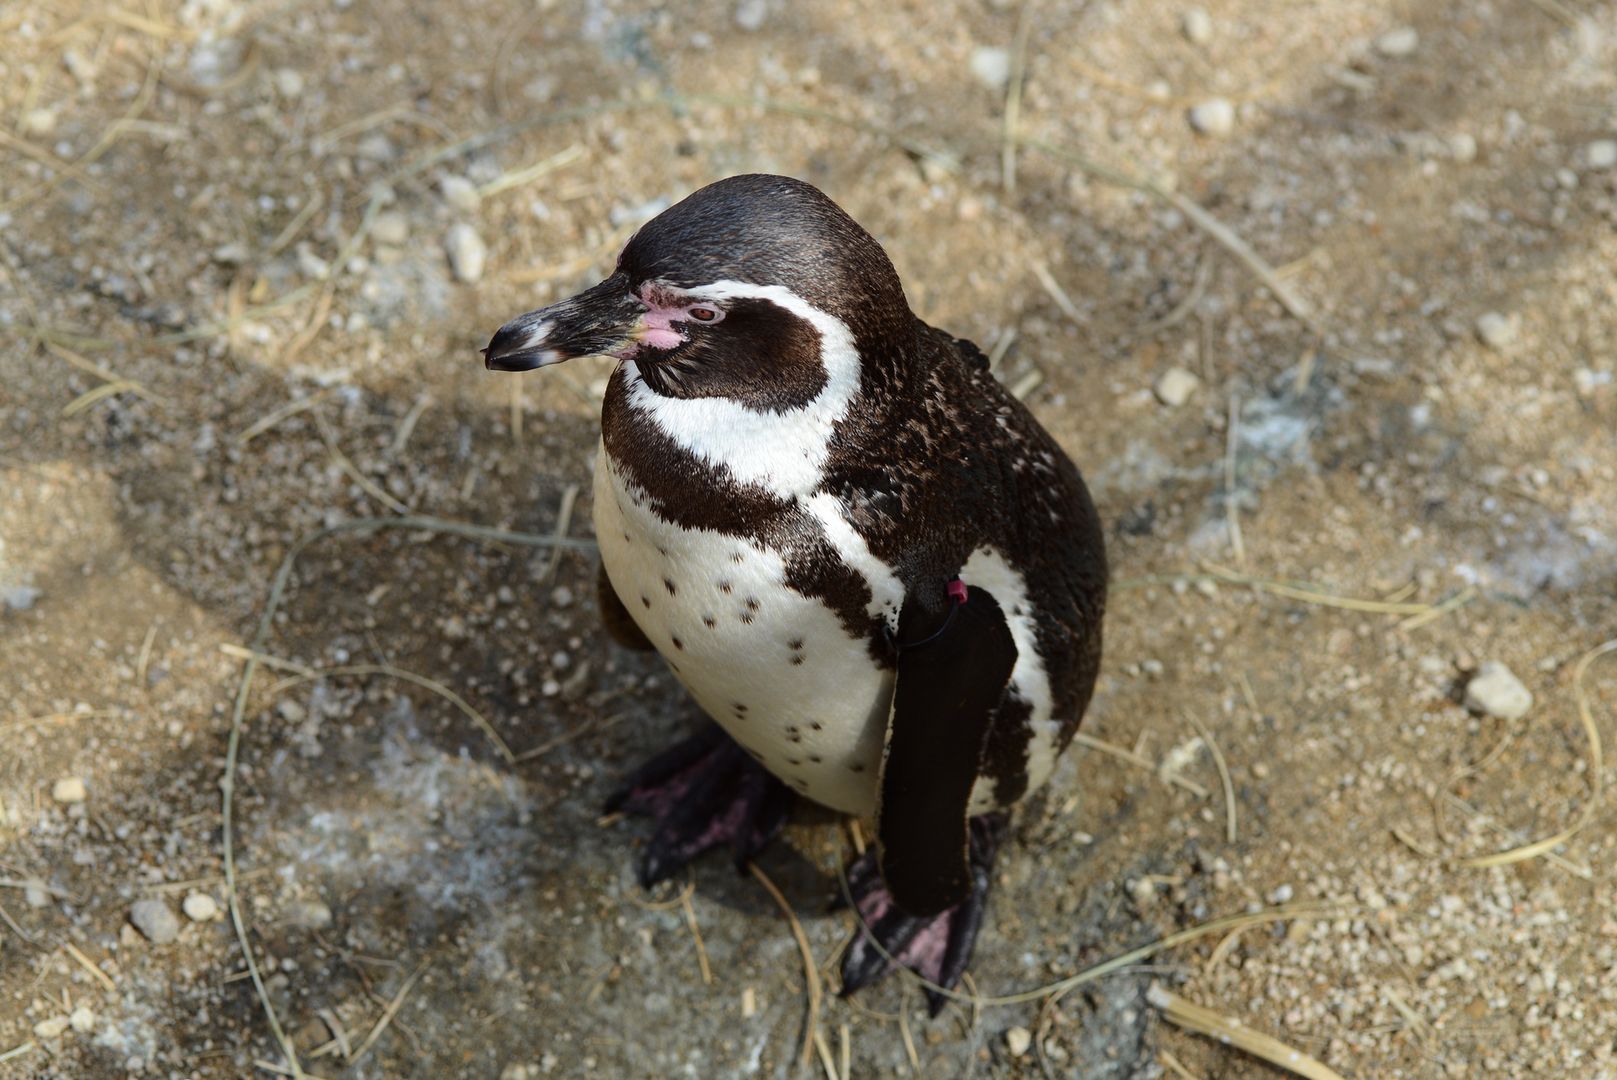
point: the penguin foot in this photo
(702, 792)
(936, 947)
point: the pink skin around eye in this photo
(658, 330)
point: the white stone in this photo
(1017, 1040)
(1400, 42)
(1175, 387)
(991, 66)
(200, 907)
(156, 920)
(38, 121)
(309, 914)
(18, 597)
(1495, 691)
(1497, 331)
(1197, 26)
(1601, 154)
(390, 227)
(50, 1029)
(750, 14)
(466, 253)
(1215, 116)
(460, 193)
(69, 789)
(83, 1020)
(288, 82)
(1463, 147)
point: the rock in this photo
(34, 893)
(1495, 691)
(1463, 147)
(991, 66)
(1017, 1041)
(156, 920)
(390, 227)
(288, 82)
(1497, 331)
(1215, 116)
(1601, 154)
(1197, 27)
(18, 597)
(1399, 42)
(52, 1028)
(69, 789)
(232, 254)
(200, 907)
(83, 1020)
(460, 193)
(466, 253)
(37, 121)
(1175, 387)
(750, 14)
(309, 914)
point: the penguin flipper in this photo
(619, 623)
(953, 667)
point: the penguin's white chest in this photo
(773, 667)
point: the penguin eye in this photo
(702, 313)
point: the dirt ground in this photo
(248, 252)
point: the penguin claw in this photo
(702, 792)
(937, 947)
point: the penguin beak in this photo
(604, 320)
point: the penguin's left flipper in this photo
(926, 907)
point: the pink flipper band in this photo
(957, 591)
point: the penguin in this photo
(868, 564)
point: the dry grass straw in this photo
(1419, 614)
(1223, 774)
(811, 973)
(1089, 742)
(696, 934)
(255, 652)
(1013, 97)
(54, 718)
(1166, 1059)
(392, 1010)
(96, 973)
(282, 414)
(1232, 511)
(111, 382)
(520, 177)
(1233, 1032)
(1597, 775)
(366, 484)
(17, 1052)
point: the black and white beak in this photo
(604, 320)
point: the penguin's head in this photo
(757, 289)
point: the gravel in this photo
(51, 1028)
(1601, 154)
(18, 597)
(1400, 42)
(467, 253)
(1197, 26)
(991, 66)
(750, 14)
(460, 193)
(69, 789)
(309, 914)
(1017, 1041)
(200, 907)
(1175, 387)
(1495, 691)
(156, 920)
(1215, 116)
(1497, 331)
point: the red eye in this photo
(704, 314)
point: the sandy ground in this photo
(230, 318)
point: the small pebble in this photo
(466, 253)
(1400, 42)
(288, 82)
(1197, 26)
(1463, 147)
(200, 907)
(50, 1029)
(390, 227)
(1017, 1040)
(1175, 387)
(460, 193)
(18, 597)
(69, 789)
(156, 920)
(1495, 691)
(1282, 894)
(1497, 331)
(991, 66)
(38, 122)
(83, 1020)
(1215, 116)
(309, 914)
(34, 893)
(1601, 154)
(750, 14)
